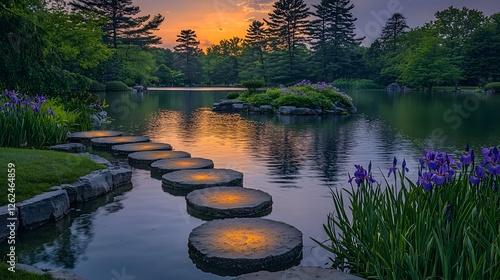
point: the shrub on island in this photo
(116, 86)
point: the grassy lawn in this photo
(19, 274)
(38, 170)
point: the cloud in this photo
(257, 5)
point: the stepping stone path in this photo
(163, 166)
(69, 148)
(148, 157)
(126, 149)
(107, 142)
(189, 180)
(244, 245)
(86, 136)
(228, 202)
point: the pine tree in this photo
(332, 34)
(287, 28)
(256, 42)
(120, 24)
(186, 54)
(394, 27)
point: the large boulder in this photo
(7, 213)
(43, 208)
(286, 110)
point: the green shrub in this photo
(356, 84)
(443, 227)
(274, 93)
(253, 85)
(493, 86)
(116, 86)
(233, 95)
(97, 87)
(260, 99)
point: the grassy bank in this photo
(37, 170)
(20, 274)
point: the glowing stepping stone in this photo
(160, 167)
(228, 202)
(107, 142)
(243, 245)
(126, 149)
(86, 136)
(189, 180)
(148, 157)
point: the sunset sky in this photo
(214, 20)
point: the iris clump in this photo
(32, 121)
(444, 226)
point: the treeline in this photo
(54, 47)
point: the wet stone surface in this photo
(189, 180)
(163, 166)
(300, 272)
(244, 245)
(228, 202)
(148, 157)
(86, 136)
(107, 142)
(126, 149)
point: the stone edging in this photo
(56, 203)
(238, 106)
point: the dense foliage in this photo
(445, 226)
(304, 94)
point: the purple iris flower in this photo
(403, 165)
(393, 168)
(466, 158)
(442, 174)
(429, 160)
(50, 112)
(478, 175)
(361, 175)
(425, 180)
(492, 160)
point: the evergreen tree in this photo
(287, 28)
(120, 24)
(187, 52)
(332, 34)
(394, 27)
(256, 43)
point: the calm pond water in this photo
(142, 231)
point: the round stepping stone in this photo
(300, 272)
(228, 202)
(86, 136)
(190, 180)
(244, 245)
(148, 157)
(126, 149)
(163, 166)
(69, 148)
(107, 142)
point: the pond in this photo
(142, 231)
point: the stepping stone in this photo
(148, 157)
(228, 202)
(69, 148)
(107, 142)
(126, 149)
(160, 167)
(243, 245)
(190, 180)
(302, 273)
(86, 136)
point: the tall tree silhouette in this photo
(120, 24)
(256, 43)
(394, 27)
(187, 52)
(288, 24)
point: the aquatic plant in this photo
(445, 226)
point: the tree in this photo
(187, 52)
(287, 29)
(221, 64)
(455, 25)
(394, 27)
(120, 24)
(482, 51)
(253, 56)
(332, 34)
(168, 77)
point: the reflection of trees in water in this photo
(65, 242)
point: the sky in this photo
(214, 20)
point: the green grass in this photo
(5, 274)
(37, 170)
